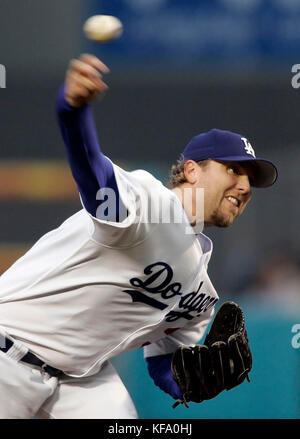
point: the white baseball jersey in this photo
(92, 289)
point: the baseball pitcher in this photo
(129, 270)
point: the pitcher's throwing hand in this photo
(84, 80)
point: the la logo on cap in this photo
(248, 147)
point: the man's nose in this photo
(243, 184)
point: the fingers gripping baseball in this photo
(84, 80)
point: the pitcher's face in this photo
(227, 191)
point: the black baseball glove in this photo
(222, 362)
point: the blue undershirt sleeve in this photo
(90, 168)
(159, 368)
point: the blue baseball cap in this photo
(226, 146)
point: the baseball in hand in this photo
(103, 28)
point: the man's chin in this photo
(218, 220)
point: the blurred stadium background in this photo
(181, 67)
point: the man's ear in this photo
(191, 171)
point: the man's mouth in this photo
(233, 201)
